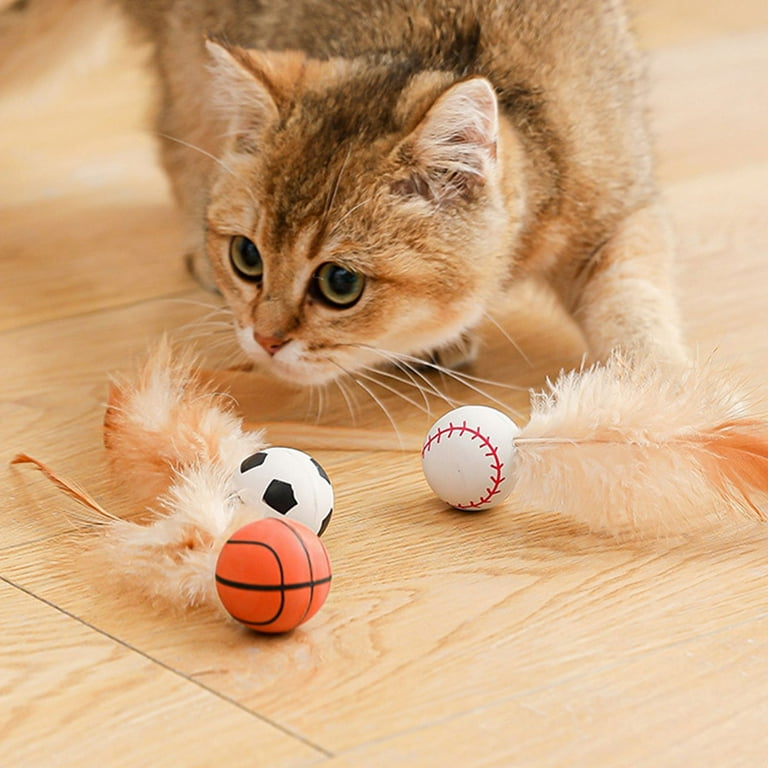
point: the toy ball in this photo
(273, 574)
(468, 456)
(286, 483)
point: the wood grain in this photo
(512, 637)
(72, 696)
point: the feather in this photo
(631, 448)
(172, 559)
(73, 490)
(175, 439)
(168, 418)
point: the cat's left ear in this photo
(243, 92)
(453, 148)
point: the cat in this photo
(363, 180)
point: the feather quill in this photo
(629, 448)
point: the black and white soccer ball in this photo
(285, 482)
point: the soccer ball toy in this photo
(286, 483)
(468, 456)
(273, 574)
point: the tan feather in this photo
(630, 447)
(72, 489)
(174, 441)
(166, 418)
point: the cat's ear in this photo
(452, 150)
(243, 92)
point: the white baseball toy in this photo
(468, 457)
(285, 482)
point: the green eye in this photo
(246, 259)
(337, 286)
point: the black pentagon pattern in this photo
(279, 496)
(325, 522)
(321, 471)
(256, 460)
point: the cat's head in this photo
(358, 213)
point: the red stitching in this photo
(496, 479)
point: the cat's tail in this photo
(41, 36)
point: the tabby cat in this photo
(364, 179)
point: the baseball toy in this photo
(287, 483)
(468, 457)
(273, 574)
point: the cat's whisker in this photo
(198, 303)
(339, 221)
(204, 328)
(409, 381)
(376, 400)
(202, 151)
(421, 383)
(414, 373)
(217, 314)
(320, 402)
(332, 197)
(461, 376)
(505, 333)
(210, 156)
(472, 383)
(351, 407)
(367, 374)
(232, 357)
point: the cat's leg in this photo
(623, 296)
(187, 157)
(188, 176)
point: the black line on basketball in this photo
(309, 566)
(282, 577)
(249, 586)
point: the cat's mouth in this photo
(291, 362)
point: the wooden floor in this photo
(512, 638)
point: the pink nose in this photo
(270, 344)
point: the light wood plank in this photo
(86, 257)
(722, 228)
(710, 105)
(680, 705)
(660, 23)
(72, 697)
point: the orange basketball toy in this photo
(273, 575)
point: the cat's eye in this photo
(246, 259)
(337, 286)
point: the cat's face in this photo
(351, 227)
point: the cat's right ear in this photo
(452, 152)
(243, 93)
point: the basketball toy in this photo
(273, 574)
(287, 483)
(468, 457)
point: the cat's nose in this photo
(270, 344)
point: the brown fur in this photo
(332, 124)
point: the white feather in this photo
(630, 447)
